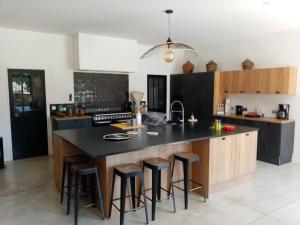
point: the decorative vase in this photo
(211, 66)
(188, 67)
(247, 64)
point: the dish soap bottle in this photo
(138, 118)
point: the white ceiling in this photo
(195, 22)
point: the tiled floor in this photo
(28, 197)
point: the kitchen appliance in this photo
(108, 118)
(239, 109)
(283, 112)
(1, 154)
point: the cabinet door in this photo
(280, 81)
(222, 159)
(250, 81)
(262, 81)
(246, 150)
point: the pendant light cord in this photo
(169, 19)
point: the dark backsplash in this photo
(94, 90)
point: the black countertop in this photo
(89, 140)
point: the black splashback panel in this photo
(94, 90)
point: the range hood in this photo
(107, 54)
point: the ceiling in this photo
(195, 22)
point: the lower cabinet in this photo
(232, 156)
(245, 153)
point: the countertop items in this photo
(87, 139)
(261, 119)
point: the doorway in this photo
(157, 93)
(28, 113)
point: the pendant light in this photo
(169, 48)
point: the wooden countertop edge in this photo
(264, 119)
(71, 117)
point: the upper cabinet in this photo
(108, 54)
(260, 81)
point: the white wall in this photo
(272, 50)
(33, 50)
(54, 53)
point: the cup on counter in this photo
(133, 122)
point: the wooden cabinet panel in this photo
(222, 159)
(246, 150)
(260, 81)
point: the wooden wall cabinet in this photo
(232, 157)
(260, 81)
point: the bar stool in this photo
(126, 171)
(157, 165)
(68, 161)
(80, 170)
(187, 158)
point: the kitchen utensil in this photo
(253, 115)
(228, 127)
(116, 137)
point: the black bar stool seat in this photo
(80, 170)
(187, 158)
(157, 165)
(68, 162)
(126, 171)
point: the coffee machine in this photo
(283, 112)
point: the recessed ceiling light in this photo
(266, 3)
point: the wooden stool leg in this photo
(112, 193)
(132, 186)
(145, 199)
(77, 196)
(159, 185)
(62, 189)
(123, 199)
(154, 191)
(69, 190)
(99, 191)
(186, 183)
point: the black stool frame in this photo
(156, 185)
(78, 178)
(124, 177)
(185, 163)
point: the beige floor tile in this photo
(289, 214)
(267, 220)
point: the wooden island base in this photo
(225, 161)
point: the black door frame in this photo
(43, 87)
(166, 87)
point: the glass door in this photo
(28, 113)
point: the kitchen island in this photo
(226, 158)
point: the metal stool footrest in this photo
(131, 210)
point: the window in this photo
(157, 93)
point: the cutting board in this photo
(125, 126)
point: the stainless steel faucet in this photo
(177, 111)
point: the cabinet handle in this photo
(257, 92)
(241, 91)
(225, 91)
(223, 138)
(247, 134)
(277, 92)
